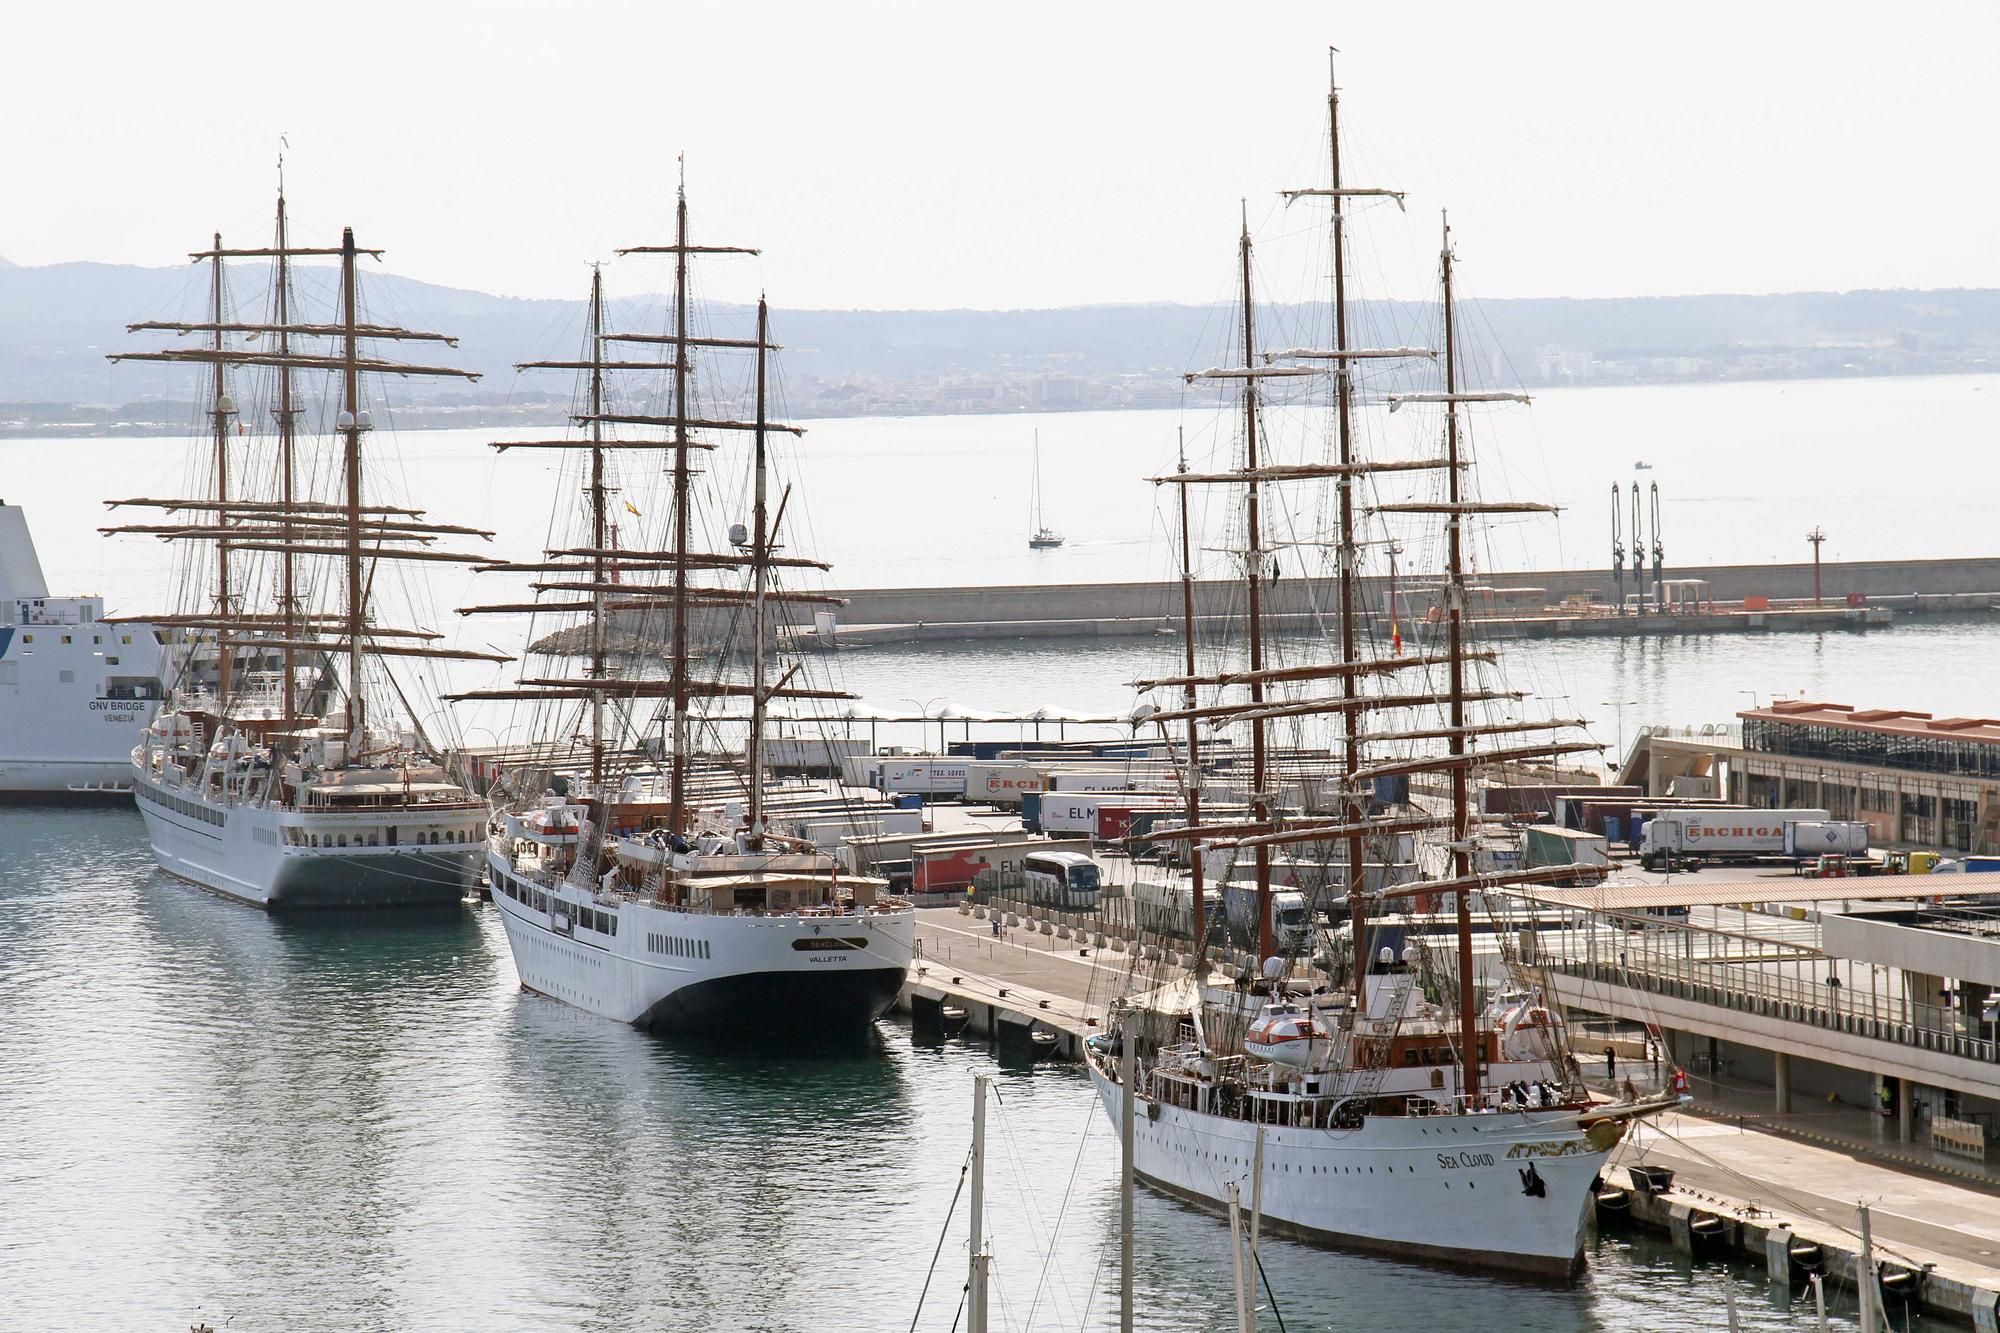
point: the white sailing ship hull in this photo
(665, 968)
(1508, 1190)
(253, 852)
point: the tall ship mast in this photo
(1378, 1102)
(637, 880)
(287, 769)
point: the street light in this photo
(923, 714)
(1621, 705)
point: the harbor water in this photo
(355, 1123)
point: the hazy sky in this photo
(944, 155)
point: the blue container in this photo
(910, 800)
(1975, 865)
(1393, 790)
(1613, 826)
(1031, 811)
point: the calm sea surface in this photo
(356, 1124)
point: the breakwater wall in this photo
(1517, 606)
(1298, 597)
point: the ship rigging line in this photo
(1055, 1232)
(943, 1231)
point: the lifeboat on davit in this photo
(1286, 1034)
(1528, 1029)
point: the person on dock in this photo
(1610, 1061)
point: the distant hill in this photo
(58, 321)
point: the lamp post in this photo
(1621, 705)
(1818, 538)
(924, 715)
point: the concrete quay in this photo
(1935, 1239)
(1060, 978)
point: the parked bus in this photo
(1066, 880)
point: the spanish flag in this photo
(1396, 638)
(633, 510)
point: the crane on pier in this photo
(1817, 537)
(1638, 549)
(1617, 551)
(1659, 553)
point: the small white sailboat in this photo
(1042, 537)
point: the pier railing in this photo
(1773, 978)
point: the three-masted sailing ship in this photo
(1366, 1096)
(640, 882)
(286, 769)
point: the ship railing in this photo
(1457, 1104)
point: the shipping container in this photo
(1554, 845)
(859, 856)
(1078, 812)
(1709, 833)
(1806, 838)
(861, 770)
(1002, 782)
(1162, 908)
(816, 756)
(1291, 924)
(958, 866)
(927, 777)
(1535, 802)
(1141, 778)
(826, 831)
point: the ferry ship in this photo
(623, 894)
(76, 690)
(285, 769)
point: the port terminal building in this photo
(1879, 999)
(1914, 779)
